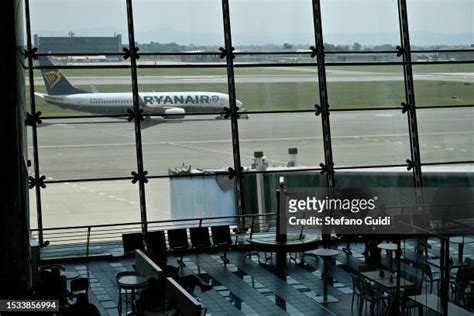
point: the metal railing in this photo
(106, 239)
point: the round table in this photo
(389, 247)
(132, 282)
(326, 254)
(69, 275)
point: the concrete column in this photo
(14, 224)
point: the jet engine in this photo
(174, 113)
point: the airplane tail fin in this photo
(55, 82)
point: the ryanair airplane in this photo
(174, 105)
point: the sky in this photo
(254, 21)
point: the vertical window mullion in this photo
(228, 50)
(133, 51)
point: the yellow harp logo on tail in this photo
(52, 78)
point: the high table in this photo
(69, 275)
(326, 254)
(292, 244)
(132, 282)
(389, 247)
(433, 302)
(385, 281)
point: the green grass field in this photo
(274, 96)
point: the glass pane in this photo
(75, 26)
(197, 57)
(294, 58)
(86, 148)
(190, 197)
(29, 152)
(365, 86)
(276, 133)
(196, 142)
(456, 29)
(270, 182)
(368, 138)
(365, 57)
(382, 177)
(273, 89)
(444, 84)
(72, 92)
(449, 190)
(31, 173)
(90, 203)
(360, 25)
(32, 208)
(271, 25)
(176, 26)
(452, 175)
(446, 134)
(444, 56)
(179, 91)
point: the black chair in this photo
(131, 242)
(357, 290)
(430, 276)
(200, 238)
(459, 285)
(374, 296)
(221, 239)
(178, 242)
(156, 241)
(408, 304)
(78, 286)
(470, 262)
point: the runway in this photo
(332, 76)
(100, 148)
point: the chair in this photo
(120, 289)
(470, 299)
(156, 241)
(178, 242)
(357, 290)
(429, 276)
(374, 296)
(422, 246)
(200, 238)
(461, 283)
(131, 242)
(222, 240)
(78, 286)
(469, 261)
(406, 302)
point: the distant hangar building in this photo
(78, 44)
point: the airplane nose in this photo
(239, 104)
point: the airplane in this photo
(172, 105)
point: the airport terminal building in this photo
(251, 158)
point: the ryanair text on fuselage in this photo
(180, 99)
